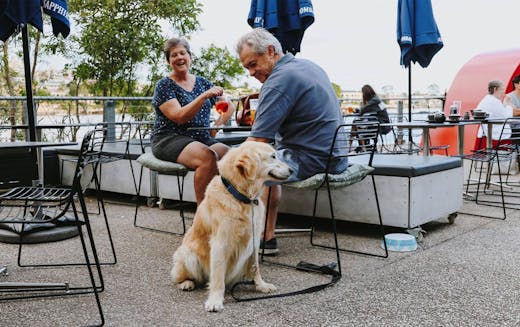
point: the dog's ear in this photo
(246, 165)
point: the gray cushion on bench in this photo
(404, 165)
(353, 174)
(163, 167)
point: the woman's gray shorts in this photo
(168, 147)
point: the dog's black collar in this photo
(236, 193)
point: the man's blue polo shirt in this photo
(300, 111)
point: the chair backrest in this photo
(111, 133)
(355, 139)
(84, 153)
(510, 131)
(144, 132)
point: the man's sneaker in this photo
(271, 247)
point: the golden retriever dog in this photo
(221, 247)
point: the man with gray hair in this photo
(297, 109)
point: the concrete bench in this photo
(412, 190)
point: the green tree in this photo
(337, 90)
(115, 36)
(218, 65)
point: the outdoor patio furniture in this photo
(412, 190)
(110, 143)
(366, 134)
(410, 148)
(501, 152)
(33, 207)
(159, 167)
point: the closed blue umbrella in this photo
(58, 11)
(14, 16)
(418, 37)
(19, 13)
(287, 20)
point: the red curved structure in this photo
(470, 86)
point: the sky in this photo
(355, 40)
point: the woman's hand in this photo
(225, 116)
(215, 91)
(229, 113)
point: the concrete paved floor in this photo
(465, 274)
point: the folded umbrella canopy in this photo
(287, 20)
(417, 36)
(14, 16)
(19, 13)
(417, 32)
(58, 11)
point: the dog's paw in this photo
(214, 305)
(265, 287)
(186, 285)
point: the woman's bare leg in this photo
(220, 148)
(203, 160)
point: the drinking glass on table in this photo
(222, 107)
(253, 104)
(458, 105)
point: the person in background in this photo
(373, 106)
(297, 109)
(492, 104)
(512, 99)
(182, 100)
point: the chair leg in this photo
(109, 233)
(334, 228)
(487, 202)
(87, 260)
(99, 198)
(265, 221)
(385, 255)
(180, 188)
(43, 290)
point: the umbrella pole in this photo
(410, 102)
(28, 85)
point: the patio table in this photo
(56, 233)
(34, 145)
(231, 135)
(425, 126)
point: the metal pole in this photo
(400, 120)
(109, 116)
(410, 101)
(28, 85)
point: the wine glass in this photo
(221, 106)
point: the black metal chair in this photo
(365, 134)
(110, 143)
(22, 207)
(397, 146)
(158, 167)
(500, 152)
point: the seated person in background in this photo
(373, 106)
(183, 100)
(297, 109)
(512, 99)
(492, 104)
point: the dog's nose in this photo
(290, 171)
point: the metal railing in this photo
(67, 118)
